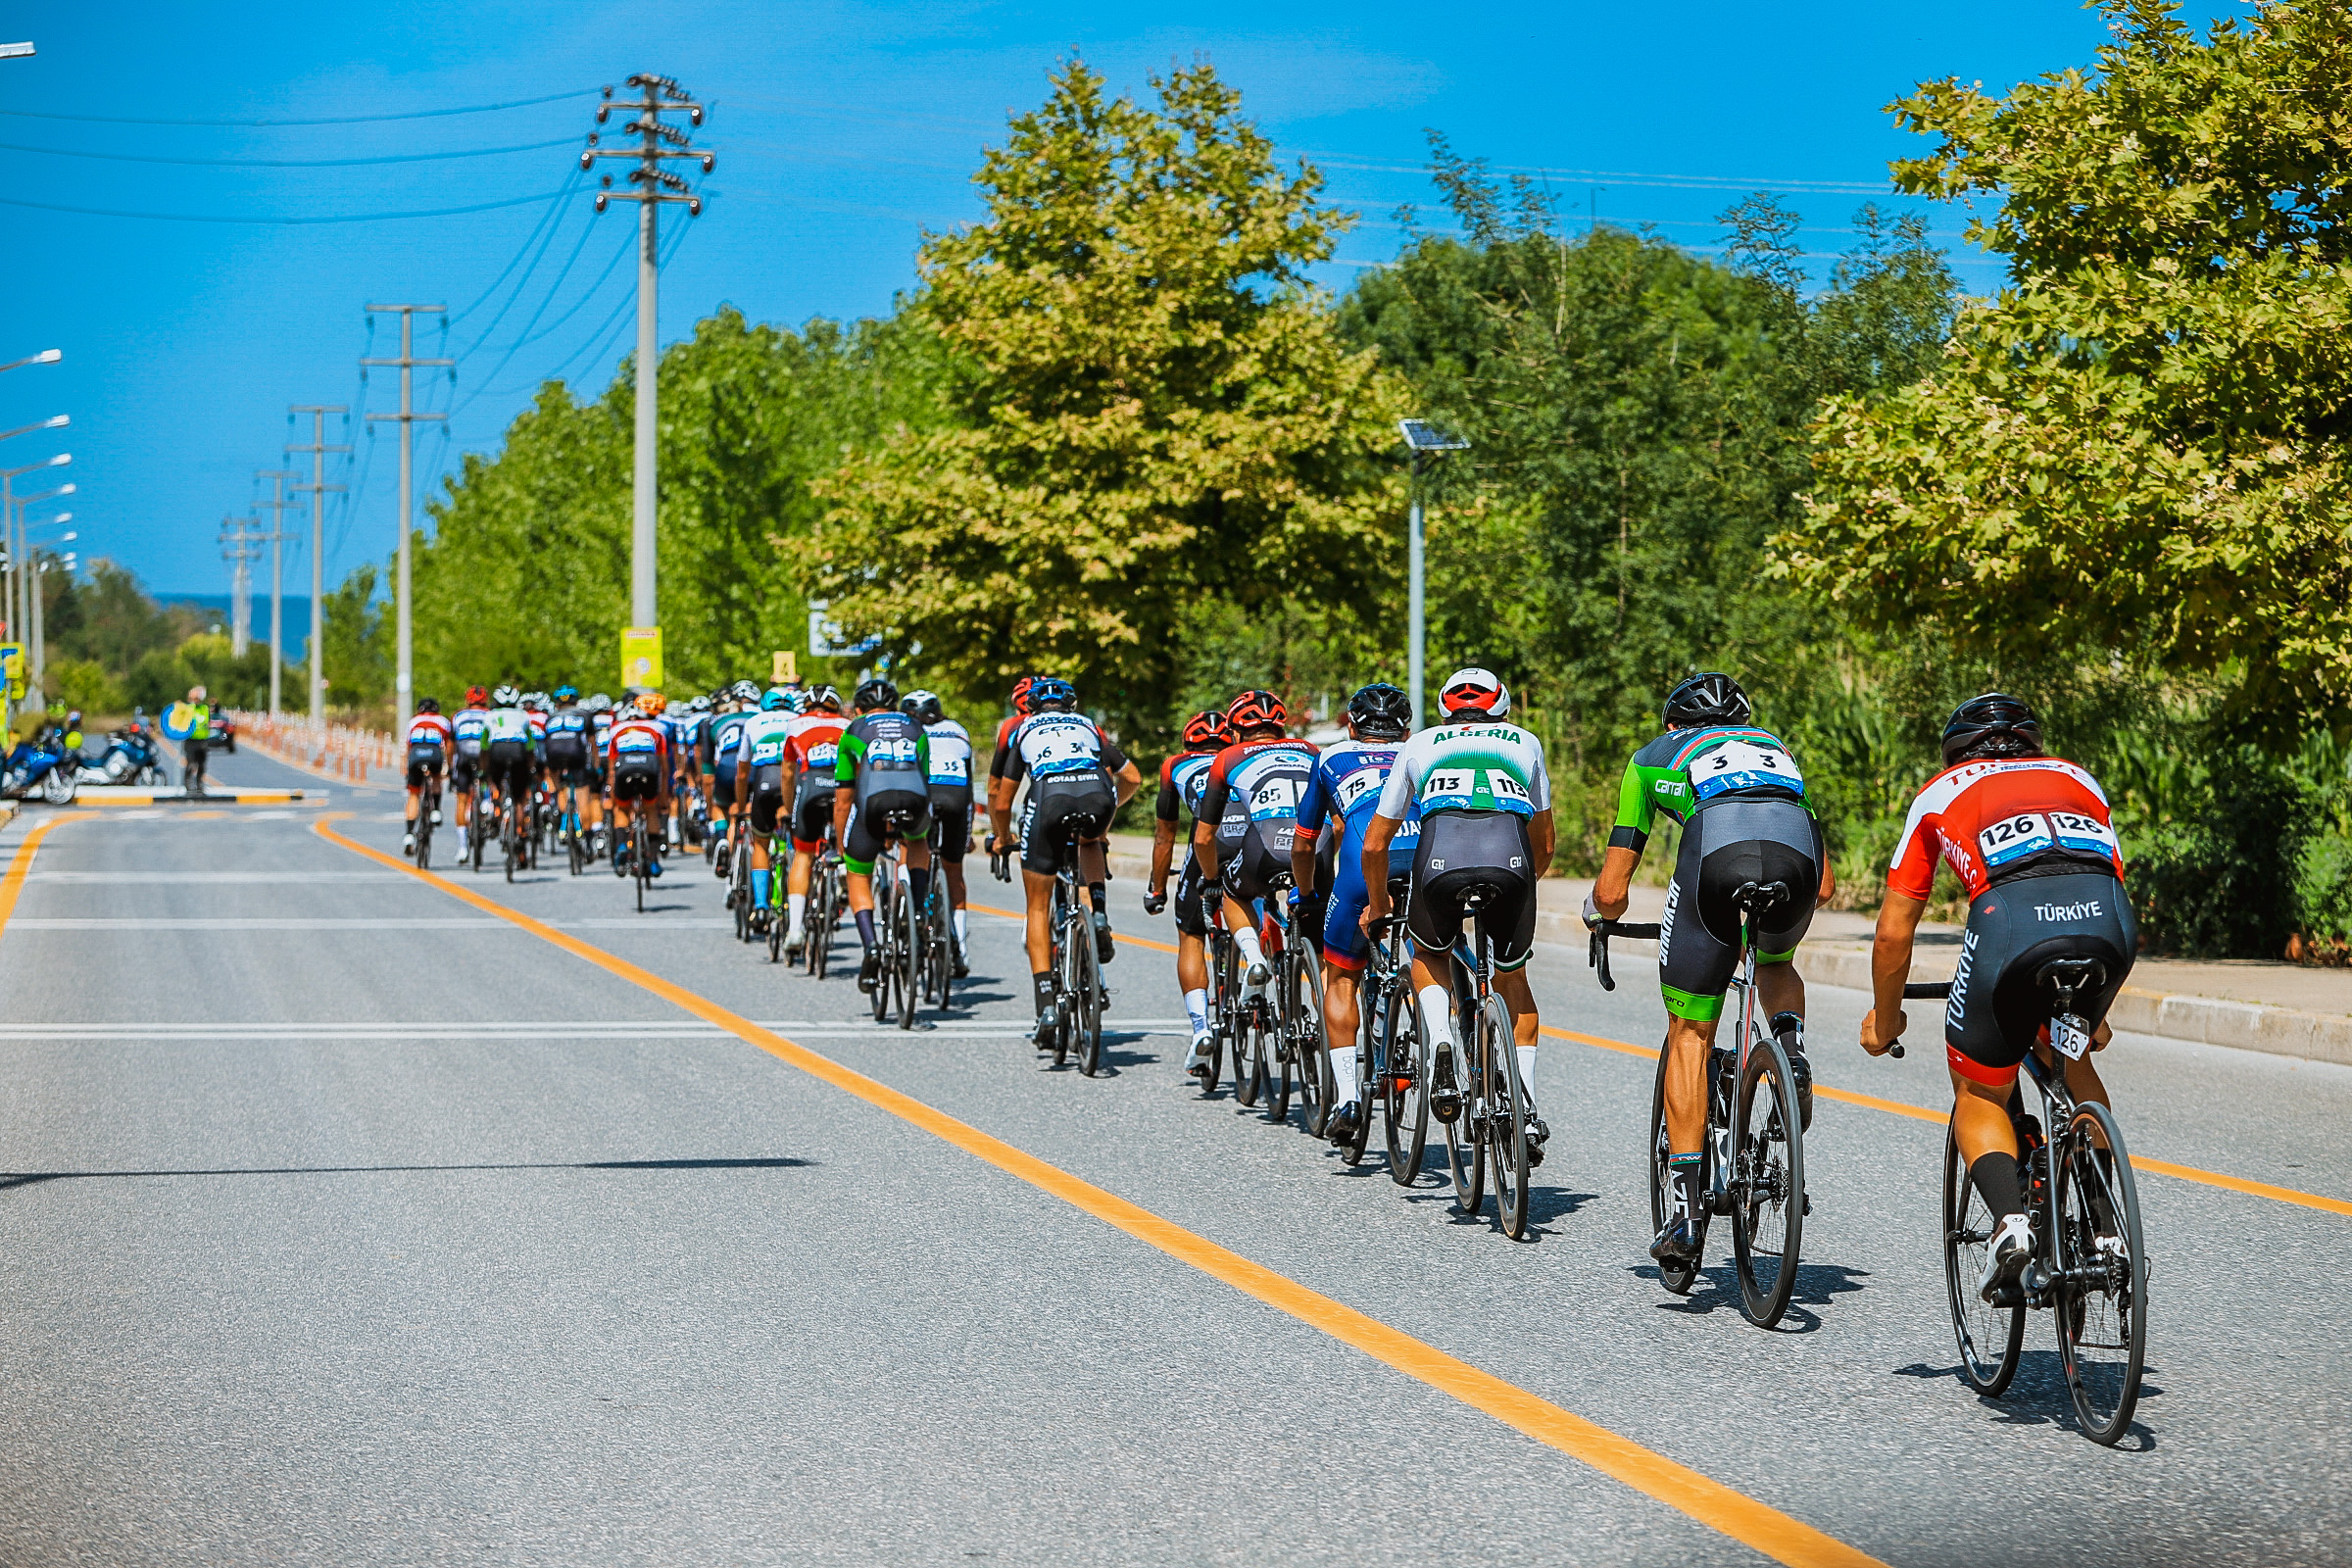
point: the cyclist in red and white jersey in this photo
(430, 741)
(2030, 838)
(637, 758)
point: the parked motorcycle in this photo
(34, 767)
(130, 758)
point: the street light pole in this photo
(1427, 443)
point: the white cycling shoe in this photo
(2011, 1250)
(1255, 978)
(1196, 1063)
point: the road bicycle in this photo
(484, 816)
(514, 834)
(896, 953)
(737, 869)
(935, 935)
(1389, 1069)
(569, 831)
(2090, 1261)
(1224, 992)
(1480, 1105)
(641, 851)
(828, 896)
(1297, 1049)
(428, 807)
(1753, 1149)
(1074, 965)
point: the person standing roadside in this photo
(200, 736)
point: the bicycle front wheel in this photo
(1086, 997)
(2102, 1275)
(1309, 1041)
(907, 937)
(1991, 1337)
(1768, 1183)
(1465, 1151)
(1507, 1118)
(1403, 1088)
(1676, 1277)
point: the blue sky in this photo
(841, 132)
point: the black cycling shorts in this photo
(1726, 845)
(424, 760)
(811, 819)
(2015, 926)
(722, 789)
(766, 808)
(636, 781)
(569, 767)
(464, 770)
(509, 766)
(1462, 849)
(951, 822)
(880, 820)
(1260, 863)
(1192, 900)
(1064, 808)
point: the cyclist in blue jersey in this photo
(1346, 785)
(1182, 780)
(1261, 776)
(722, 747)
(569, 774)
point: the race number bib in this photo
(1738, 764)
(950, 770)
(2087, 834)
(767, 748)
(1475, 789)
(2069, 1036)
(1355, 788)
(1274, 799)
(2012, 838)
(891, 753)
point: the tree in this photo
(358, 646)
(2139, 443)
(1149, 406)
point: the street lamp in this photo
(54, 422)
(38, 598)
(45, 357)
(1427, 443)
(10, 508)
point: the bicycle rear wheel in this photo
(1403, 1088)
(1278, 1046)
(1990, 1338)
(1086, 995)
(1308, 1042)
(1676, 1277)
(1768, 1183)
(2102, 1275)
(907, 937)
(1507, 1118)
(1465, 1151)
(424, 840)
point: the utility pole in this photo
(1427, 443)
(240, 583)
(655, 184)
(276, 537)
(404, 681)
(317, 488)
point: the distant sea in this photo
(297, 613)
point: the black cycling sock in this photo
(918, 882)
(1785, 1024)
(1996, 1176)
(1102, 901)
(866, 928)
(1043, 983)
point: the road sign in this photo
(640, 657)
(787, 668)
(825, 636)
(12, 665)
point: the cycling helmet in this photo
(776, 697)
(823, 695)
(700, 705)
(1994, 725)
(877, 694)
(598, 704)
(429, 704)
(477, 696)
(1380, 711)
(924, 706)
(1052, 691)
(1707, 698)
(537, 700)
(652, 703)
(1256, 710)
(1208, 731)
(745, 691)
(506, 697)
(1022, 702)
(1475, 691)
(567, 693)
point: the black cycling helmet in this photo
(1051, 693)
(1707, 698)
(429, 704)
(876, 695)
(1380, 711)
(1994, 725)
(924, 707)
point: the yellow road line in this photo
(1895, 1107)
(13, 885)
(1743, 1519)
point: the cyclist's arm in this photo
(1208, 813)
(1637, 812)
(1127, 780)
(1542, 838)
(1373, 858)
(1890, 967)
(1000, 807)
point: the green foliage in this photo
(110, 619)
(356, 642)
(87, 685)
(1150, 409)
(2140, 442)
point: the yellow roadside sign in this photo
(787, 668)
(640, 657)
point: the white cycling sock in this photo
(1436, 1014)
(1246, 939)
(961, 919)
(1343, 1069)
(795, 910)
(1196, 1008)
(1526, 1069)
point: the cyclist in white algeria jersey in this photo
(1486, 818)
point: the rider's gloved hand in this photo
(1154, 901)
(1592, 913)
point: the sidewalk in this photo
(2252, 1004)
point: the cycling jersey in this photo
(1481, 766)
(428, 744)
(951, 777)
(950, 755)
(1684, 770)
(1182, 778)
(815, 745)
(1045, 745)
(638, 754)
(429, 729)
(1990, 820)
(759, 744)
(538, 722)
(567, 737)
(686, 734)
(511, 725)
(883, 759)
(1348, 781)
(1266, 778)
(1068, 762)
(467, 729)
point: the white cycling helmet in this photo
(1476, 691)
(506, 697)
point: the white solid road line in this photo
(550, 1029)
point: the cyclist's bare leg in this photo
(954, 871)
(1339, 1005)
(1980, 1123)
(1780, 989)
(415, 795)
(1687, 1042)
(1037, 889)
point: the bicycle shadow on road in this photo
(1817, 1285)
(2038, 1397)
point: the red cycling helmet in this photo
(1208, 731)
(1256, 710)
(477, 696)
(1476, 691)
(1020, 695)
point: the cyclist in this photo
(509, 760)
(467, 728)
(1345, 784)
(882, 792)
(1021, 707)
(1078, 779)
(811, 748)
(1182, 778)
(1262, 775)
(759, 764)
(949, 754)
(637, 760)
(1486, 819)
(723, 749)
(2009, 819)
(570, 730)
(1740, 800)
(428, 750)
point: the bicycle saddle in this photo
(2072, 977)
(1757, 897)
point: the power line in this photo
(290, 162)
(546, 235)
(524, 336)
(556, 208)
(339, 218)
(342, 119)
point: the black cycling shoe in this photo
(1801, 1078)
(1105, 948)
(1047, 1020)
(1444, 1099)
(870, 968)
(1537, 1136)
(1677, 1243)
(1341, 1127)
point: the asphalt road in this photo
(349, 1222)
